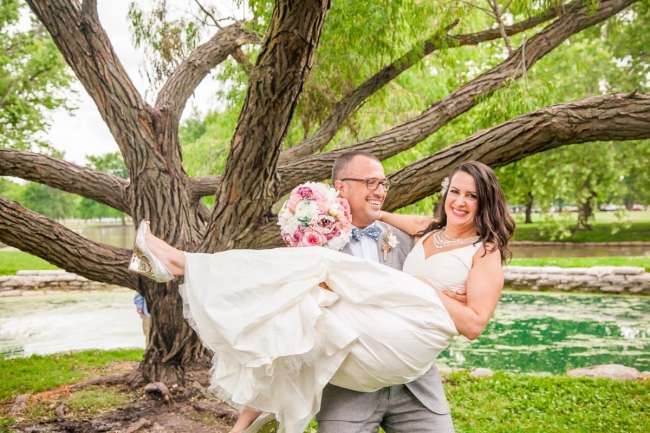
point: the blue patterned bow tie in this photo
(372, 232)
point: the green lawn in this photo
(584, 262)
(510, 403)
(600, 232)
(12, 261)
(504, 403)
(39, 373)
(634, 226)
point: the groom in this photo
(416, 407)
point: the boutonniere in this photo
(389, 241)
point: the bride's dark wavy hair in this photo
(493, 221)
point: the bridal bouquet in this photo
(315, 215)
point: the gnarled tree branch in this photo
(409, 133)
(615, 117)
(96, 185)
(248, 188)
(181, 84)
(86, 48)
(346, 106)
(38, 235)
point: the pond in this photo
(556, 332)
(531, 331)
(62, 321)
(122, 236)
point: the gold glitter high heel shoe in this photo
(265, 423)
(143, 261)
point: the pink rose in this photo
(311, 238)
(304, 192)
(332, 234)
(293, 202)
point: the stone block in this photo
(481, 372)
(612, 289)
(610, 371)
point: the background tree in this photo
(33, 76)
(585, 175)
(278, 142)
(112, 164)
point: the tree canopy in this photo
(33, 78)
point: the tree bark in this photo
(189, 74)
(101, 187)
(45, 238)
(248, 188)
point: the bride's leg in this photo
(171, 257)
(246, 418)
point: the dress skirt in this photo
(279, 338)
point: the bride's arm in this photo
(484, 286)
(410, 224)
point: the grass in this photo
(510, 403)
(583, 262)
(504, 403)
(12, 261)
(634, 226)
(600, 232)
(95, 399)
(40, 373)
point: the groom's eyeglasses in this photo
(372, 183)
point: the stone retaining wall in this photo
(600, 279)
(49, 280)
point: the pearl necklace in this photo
(440, 240)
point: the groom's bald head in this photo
(350, 174)
(343, 161)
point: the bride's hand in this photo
(462, 298)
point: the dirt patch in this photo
(191, 409)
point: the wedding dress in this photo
(279, 338)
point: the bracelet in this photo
(381, 212)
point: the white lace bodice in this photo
(447, 269)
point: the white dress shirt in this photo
(365, 247)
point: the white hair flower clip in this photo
(444, 185)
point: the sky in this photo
(83, 132)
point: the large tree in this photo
(258, 171)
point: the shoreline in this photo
(596, 279)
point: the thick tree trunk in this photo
(163, 196)
(173, 346)
(529, 208)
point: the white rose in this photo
(306, 210)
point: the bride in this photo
(280, 335)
